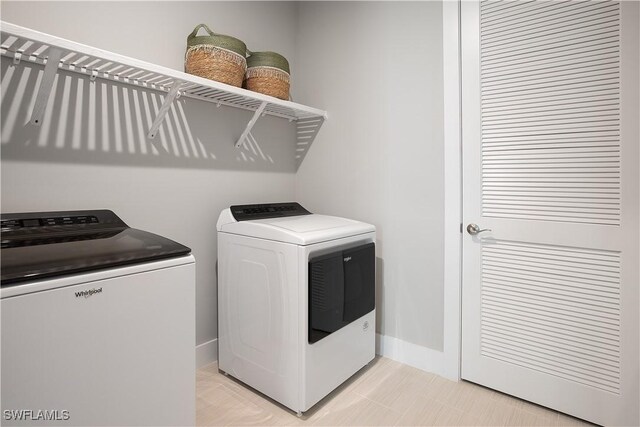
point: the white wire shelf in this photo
(24, 44)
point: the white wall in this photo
(70, 163)
(376, 67)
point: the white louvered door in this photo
(550, 157)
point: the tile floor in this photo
(385, 393)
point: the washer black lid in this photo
(41, 245)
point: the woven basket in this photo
(268, 73)
(216, 57)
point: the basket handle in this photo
(195, 31)
(211, 33)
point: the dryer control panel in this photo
(267, 210)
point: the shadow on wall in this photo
(98, 122)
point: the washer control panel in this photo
(267, 210)
(13, 224)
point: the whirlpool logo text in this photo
(88, 293)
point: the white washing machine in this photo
(296, 300)
(98, 323)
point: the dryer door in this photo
(341, 289)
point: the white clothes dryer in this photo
(296, 300)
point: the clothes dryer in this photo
(296, 300)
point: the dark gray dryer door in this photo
(341, 289)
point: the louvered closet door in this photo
(550, 159)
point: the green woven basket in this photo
(216, 57)
(268, 73)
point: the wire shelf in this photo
(23, 44)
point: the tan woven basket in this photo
(216, 57)
(268, 73)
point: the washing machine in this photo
(296, 300)
(98, 322)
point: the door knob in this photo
(473, 229)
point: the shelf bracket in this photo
(251, 123)
(46, 85)
(173, 93)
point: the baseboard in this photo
(206, 353)
(396, 349)
(423, 358)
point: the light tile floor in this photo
(385, 393)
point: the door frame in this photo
(452, 107)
